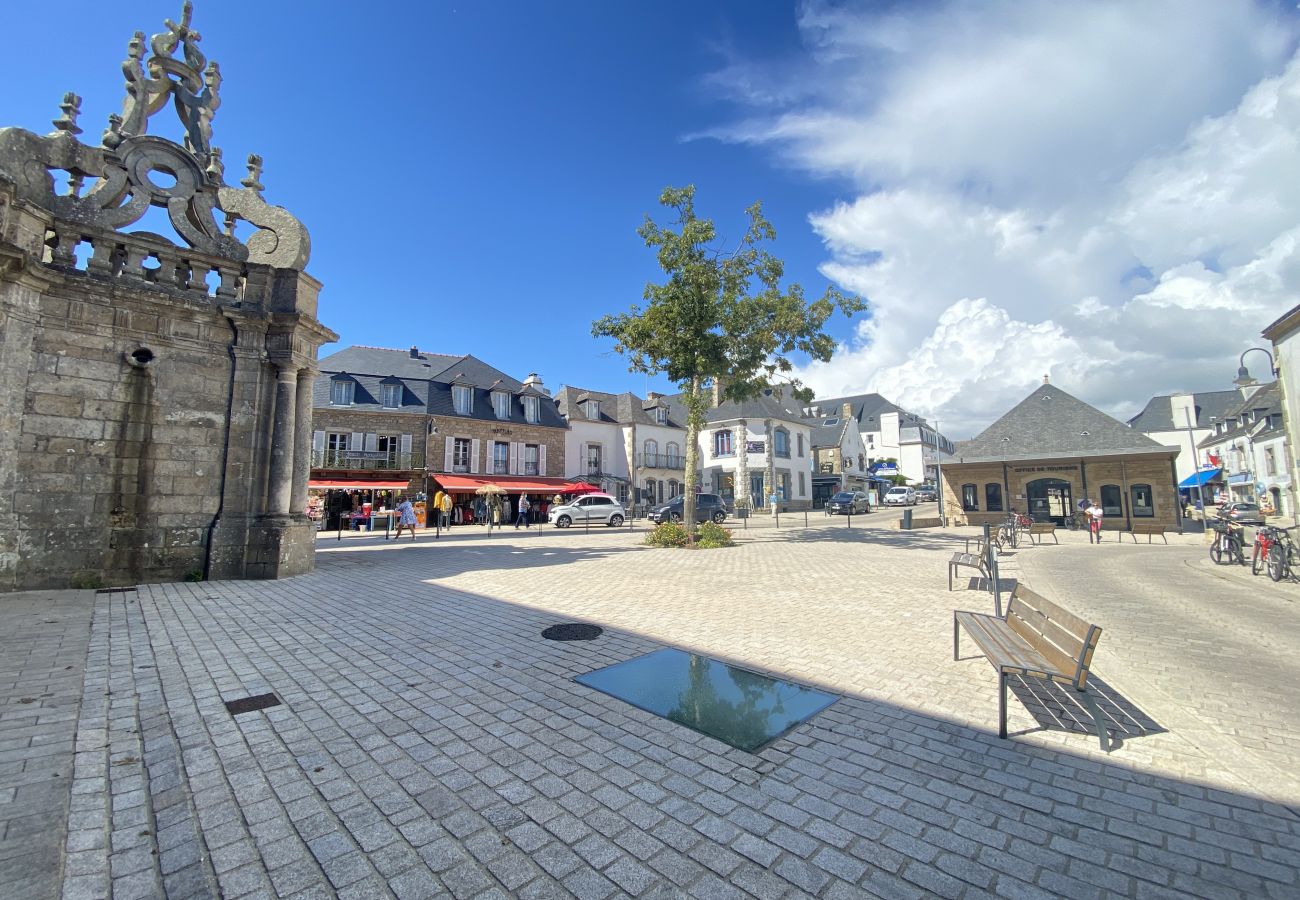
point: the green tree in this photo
(721, 317)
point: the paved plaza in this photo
(429, 742)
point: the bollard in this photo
(388, 526)
(848, 517)
(805, 518)
(907, 520)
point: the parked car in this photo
(1242, 513)
(707, 507)
(927, 493)
(593, 508)
(900, 495)
(848, 503)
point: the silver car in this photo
(593, 508)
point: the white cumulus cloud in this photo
(1104, 193)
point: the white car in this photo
(900, 495)
(598, 508)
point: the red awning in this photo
(512, 484)
(352, 484)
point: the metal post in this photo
(388, 525)
(805, 518)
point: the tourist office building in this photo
(1050, 453)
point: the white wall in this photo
(582, 433)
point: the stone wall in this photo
(1085, 478)
(487, 431)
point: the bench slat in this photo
(1061, 616)
(999, 644)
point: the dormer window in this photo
(342, 391)
(661, 415)
(501, 404)
(462, 399)
(591, 409)
(532, 409)
(390, 395)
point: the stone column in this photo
(301, 443)
(769, 472)
(280, 489)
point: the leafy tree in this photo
(721, 317)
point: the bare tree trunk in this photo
(742, 468)
(694, 423)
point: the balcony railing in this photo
(361, 460)
(661, 461)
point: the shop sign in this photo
(364, 454)
(755, 446)
(1045, 469)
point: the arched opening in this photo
(1050, 500)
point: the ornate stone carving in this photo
(133, 170)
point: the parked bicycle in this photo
(1010, 529)
(1281, 555)
(1226, 547)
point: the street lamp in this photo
(1244, 378)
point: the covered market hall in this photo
(1052, 452)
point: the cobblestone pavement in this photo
(430, 743)
(43, 638)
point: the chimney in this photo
(1046, 380)
(415, 352)
(847, 411)
(534, 381)
(653, 395)
(717, 392)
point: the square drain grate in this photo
(252, 704)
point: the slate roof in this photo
(767, 405)
(1158, 414)
(366, 396)
(485, 378)
(381, 361)
(824, 435)
(1051, 424)
(1266, 399)
(571, 407)
(867, 409)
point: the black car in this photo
(707, 507)
(848, 503)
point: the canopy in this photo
(1199, 479)
(580, 487)
(511, 484)
(351, 484)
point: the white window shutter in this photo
(318, 441)
(372, 442)
(473, 456)
(358, 441)
(449, 444)
(541, 459)
(406, 443)
(514, 458)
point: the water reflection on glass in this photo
(742, 708)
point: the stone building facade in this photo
(1052, 451)
(156, 418)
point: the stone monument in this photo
(156, 418)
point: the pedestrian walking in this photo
(522, 516)
(444, 511)
(405, 518)
(1095, 514)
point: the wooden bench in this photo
(1038, 638)
(1150, 529)
(977, 560)
(1038, 529)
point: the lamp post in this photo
(1243, 381)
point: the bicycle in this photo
(1227, 543)
(1266, 539)
(1010, 529)
(1281, 553)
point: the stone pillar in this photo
(769, 471)
(280, 488)
(301, 443)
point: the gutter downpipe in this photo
(225, 448)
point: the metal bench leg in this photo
(956, 636)
(1055, 540)
(1102, 734)
(1002, 704)
(951, 568)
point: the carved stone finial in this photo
(216, 170)
(112, 136)
(71, 107)
(254, 179)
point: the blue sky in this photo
(1101, 192)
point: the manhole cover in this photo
(572, 632)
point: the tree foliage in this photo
(720, 316)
